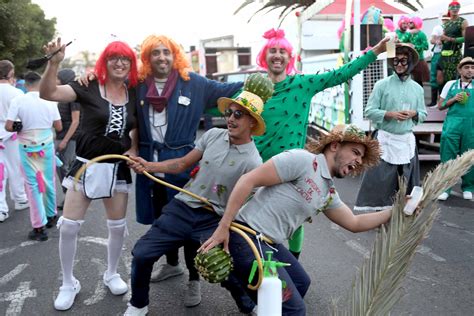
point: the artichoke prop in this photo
(215, 265)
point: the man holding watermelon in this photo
(293, 187)
(223, 156)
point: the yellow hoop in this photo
(240, 229)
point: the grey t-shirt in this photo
(221, 165)
(306, 189)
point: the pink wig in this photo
(117, 48)
(389, 24)
(403, 19)
(340, 30)
(417, 21)
(276, 38)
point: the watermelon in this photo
(257, 84)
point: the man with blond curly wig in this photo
(171, 100)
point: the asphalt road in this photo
(440, 281)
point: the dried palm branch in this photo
(409, 5)
(289, 6)
(378, 287)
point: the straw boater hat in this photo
(466, 61)
(257, 90)
(406, 48)
(351, 134)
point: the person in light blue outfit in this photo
(395, 106)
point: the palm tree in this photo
(289, 6)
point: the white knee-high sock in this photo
(68, 231)
(117, 232)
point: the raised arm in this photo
(349, 70)
(49, 90)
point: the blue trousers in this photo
(296, 278)
(177, 225)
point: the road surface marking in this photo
(96, 240)
(354, 245)
(100, 289)
(427, 251)
(13, 273)
(17, 298)
(23, 244)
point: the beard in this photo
(337, 173)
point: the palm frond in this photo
(289, 6)
(409, 4)
(243, 5)
(378, 286)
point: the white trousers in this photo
(10, 157)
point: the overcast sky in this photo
(92, 22)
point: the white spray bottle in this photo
(270, 291)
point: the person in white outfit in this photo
(9, 153)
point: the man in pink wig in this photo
(286, 113)
(402, 31)
(421, 72)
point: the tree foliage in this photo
(24, 31)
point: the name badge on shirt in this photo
(184, 100)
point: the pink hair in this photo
(276, 38)
(403, 19)
(340, 30)
(417, 21)
(117, 48)
(389, 24)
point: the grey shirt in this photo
(221, 165)
(307, 188)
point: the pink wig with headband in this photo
(276, 38)
(403, 19)
(417, 21)
(117, 48)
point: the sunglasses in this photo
(402, 61)
(115, 59)
(238, 114)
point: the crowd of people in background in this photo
(150, 110)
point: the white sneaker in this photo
(3, 216)
(443, 196)
(167, 271)
(66, 296)
(133, 311)
(21, 205)
(115, 284)
(467, 195)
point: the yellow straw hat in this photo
(350, 134)
(257, 90)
